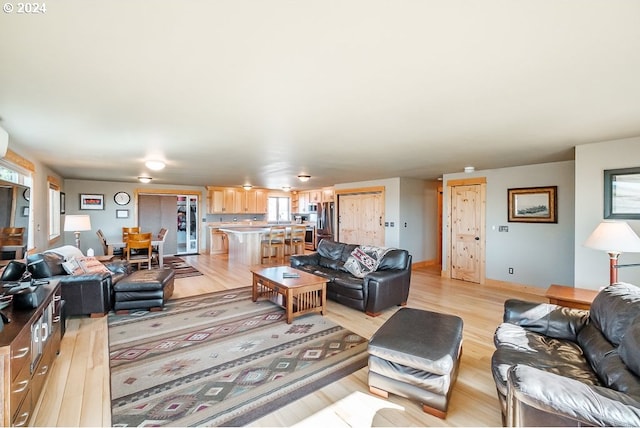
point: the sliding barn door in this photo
(361, 218)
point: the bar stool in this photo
(274, 240)
(295, 240)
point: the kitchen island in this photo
(244, 243)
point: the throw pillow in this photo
(67, 252)
(364, 259)
(92, 265)
(72, 267)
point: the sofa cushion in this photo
(394, 259)
(13, 271)
(330, 249)
(38, 267)
(330, 263)
(614, 310)
(630, 348)
(516, 345)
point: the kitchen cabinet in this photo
(219, 243)
(315, 196)
(327, 194)
(28, 347)
(218, 201)
(303, 202)
(229, 200)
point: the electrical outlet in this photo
(392, 224)
(503, 228)
(510, 271)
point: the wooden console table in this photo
(571, 297)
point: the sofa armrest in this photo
(551, 320)
(536, 397)
(386, 288)
(87, 294)
(304, 259)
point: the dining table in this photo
(114, 243)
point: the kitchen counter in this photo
(244, 242)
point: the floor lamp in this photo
(614, 237)
(77, 224)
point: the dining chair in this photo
(127, 230)
(155, 255)
(295, 241)
(139, 249)
(12, 235)
(273, 240)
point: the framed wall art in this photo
(122, 213)
(622, 193)
(63, 203)
(25, 211)
(533, 204)
(91, 201)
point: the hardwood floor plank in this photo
(77, 392)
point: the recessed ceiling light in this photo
(155, 165)
(247, 187)
(286, 188)
(469, 169)
(144, 180)
(304, 177)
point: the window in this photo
(278, 209)
(54, 208)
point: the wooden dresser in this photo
(28, 347)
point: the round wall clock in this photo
(122, 198)
(26, 194)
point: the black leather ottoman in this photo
(416, 354)
(143, 289)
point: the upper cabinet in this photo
(228, 200)
(315, 196)
(327, 194)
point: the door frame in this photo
(172, 192)
(475, 181)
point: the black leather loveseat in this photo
(387, 286)
(555, 366)
(84, 293)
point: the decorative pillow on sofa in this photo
(92, 265)
(72, 267)
(365, 259)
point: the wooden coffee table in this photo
(298, 296)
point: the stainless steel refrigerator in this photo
(325, 223)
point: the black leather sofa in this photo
(555, 366)
(387, 286)
(84, 294)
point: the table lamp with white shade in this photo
(77, 224)
(614, 237)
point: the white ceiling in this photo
(237, 91)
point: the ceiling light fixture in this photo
(247, 187)
(469, 169)
(145, 180)
(304, 177)
(286, 188)
(155, 165)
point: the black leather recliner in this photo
(386, 287)
(556, 366)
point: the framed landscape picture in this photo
(622, 193)
(533, 204)
(91, 201)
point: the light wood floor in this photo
(77, 390)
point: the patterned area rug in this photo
(220, 359)
(182, 268)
